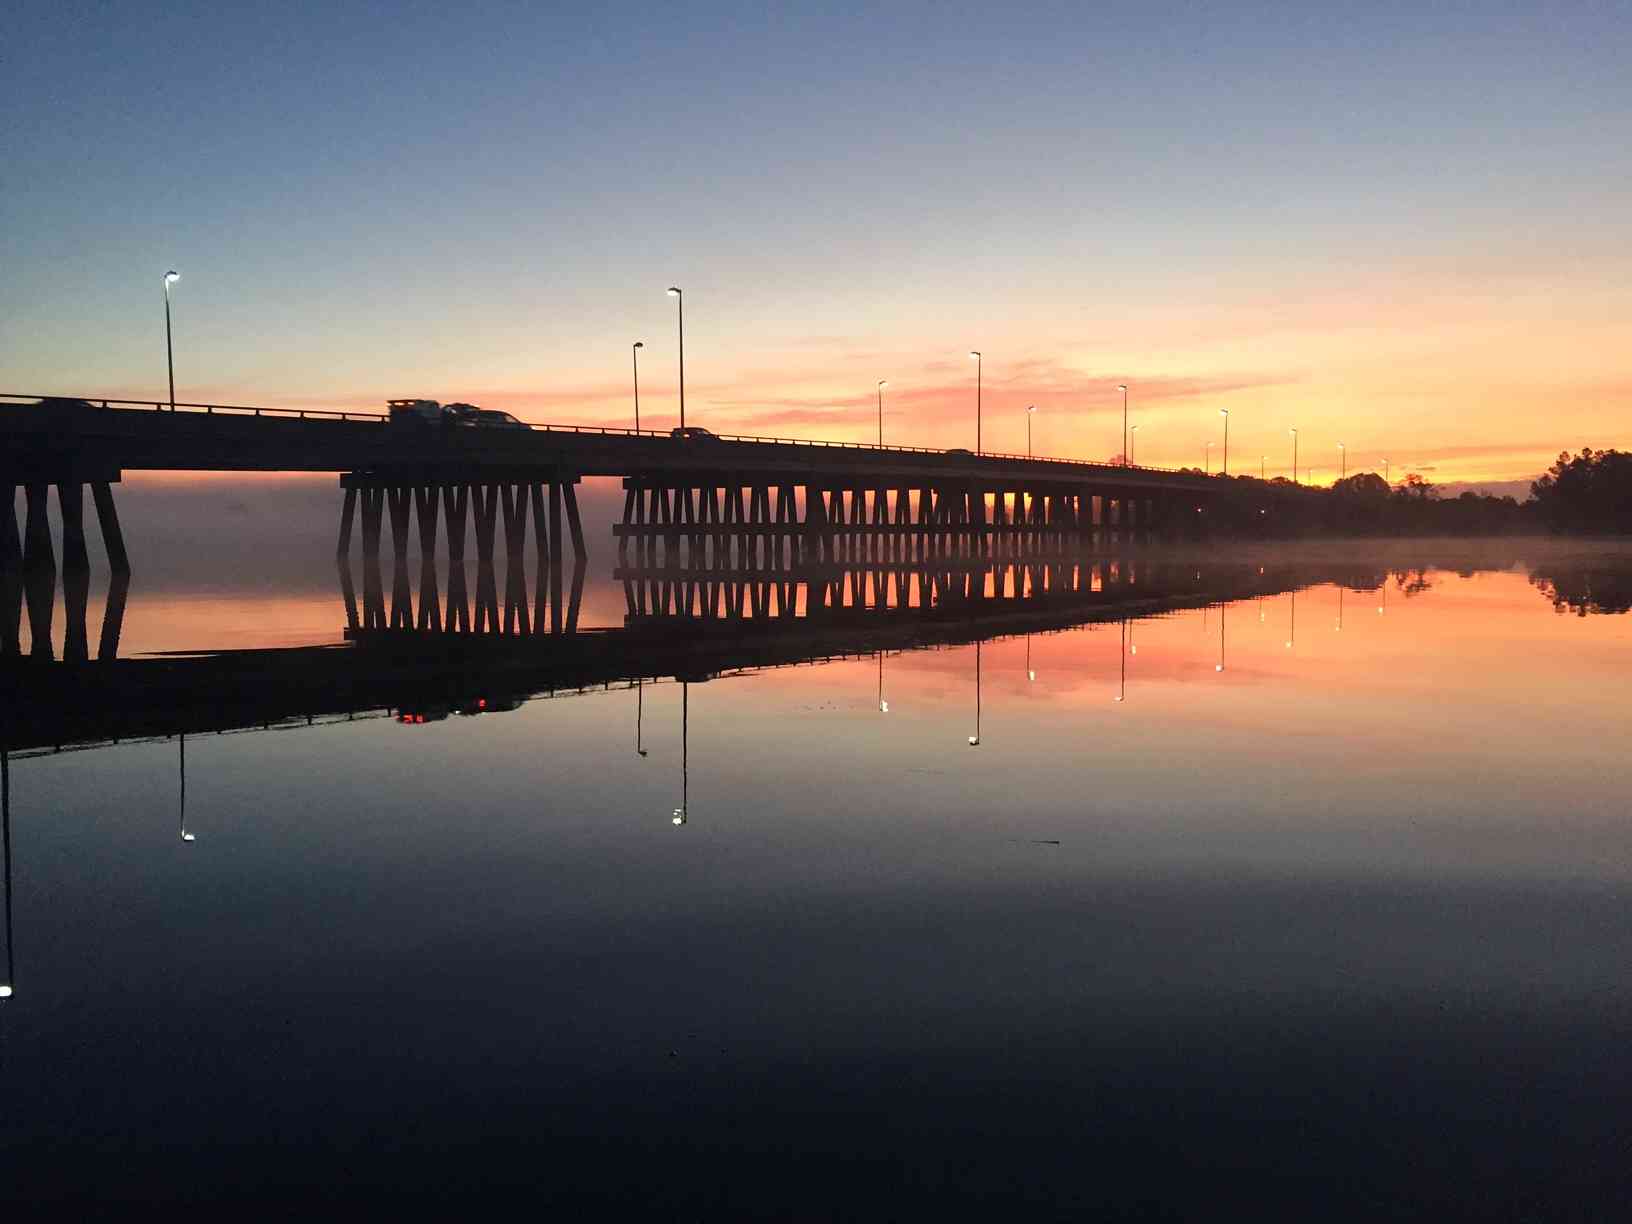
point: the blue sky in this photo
(367, 199)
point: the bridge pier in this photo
(552, 508)
(29, 571)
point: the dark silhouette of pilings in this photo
(28, 571)
(550, 507)
(731, 522)
(881, 590)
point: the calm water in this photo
(1316, 899)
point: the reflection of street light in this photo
(182, 762)
(640, 709)
(1219, 666)
(1122, 654)
(974, 740)
(1292, 627)
(1030, 674)
(5, 834)
(685, 758)
(883, 706)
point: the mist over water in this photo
(1322, 891)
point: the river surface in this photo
(1317, 898)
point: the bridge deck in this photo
(86, 441)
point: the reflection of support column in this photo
(485, 502)
(426, 504)
(402, 594)
(576, 525)
(39, 569)
(514, 504)
(76, 572)
(575, 601)
(455, 504)
(11, 574)
(556, 624)
(541, 549)
(373, 592)
(10, 983)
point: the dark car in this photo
(487, 418)
(693, 433)
(959, 450)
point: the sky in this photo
(1399, 226)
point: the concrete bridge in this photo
(698, 500)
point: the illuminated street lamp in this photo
(1123, 387)
(634, 356)
(1225, 413)
(1030, 409)
(1131, 440)
(881, 385)
(1294, 434)
(1386, 480)
(680, 319)
(1343, 459)
(979, 364)
(170, 278)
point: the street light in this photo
(1343, 458)
(634, 356)
(1294, 434)
(1131, 441)
(1225, 413)
(680, 318)
(979, 364)
(1386, 481)
(1030, 409)
(881, 385)
(1123, 387)
(170, 278)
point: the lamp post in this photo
(1123, 387)
(1030, 409)
(1386, 480)
(1132, 438)
(170, 278)
(680, 319)
(1294, 434)
(881, 385)
(979, 364)
(634, 356)
(1225, 413)
(1343, 460)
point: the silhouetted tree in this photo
(1589, 493)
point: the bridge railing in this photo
(321, 414)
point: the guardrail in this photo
(604, 430)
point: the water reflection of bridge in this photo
(757, 621)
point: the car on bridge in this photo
(693, 433)
(487, 418)
(414, 412)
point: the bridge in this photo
(702, 501)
